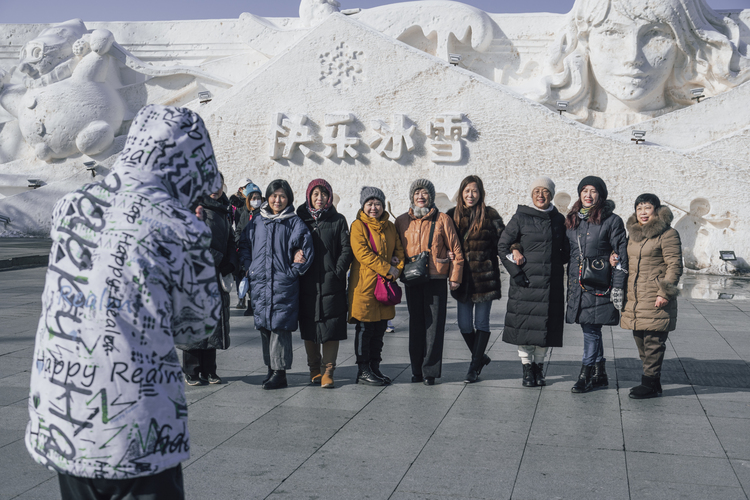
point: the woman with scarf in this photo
(594, 233)
(655, 259)
(269, 248)
(377, 253)
(424, 228)
(322, 308)
(479, 229)
(534, 250)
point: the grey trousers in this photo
(651, 348)
(277, 348)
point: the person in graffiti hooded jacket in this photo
(130, 274)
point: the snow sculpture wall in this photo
(368, 97)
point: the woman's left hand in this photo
(454, 285)
(299, 257)
(661, 302)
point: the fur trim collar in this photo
(652, 228)
(608, 209)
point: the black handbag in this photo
(594, 272)
(417, 268)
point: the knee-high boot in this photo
(478, 358)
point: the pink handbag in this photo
(386, 292)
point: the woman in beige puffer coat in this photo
(655, 265)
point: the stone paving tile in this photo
(652, 473)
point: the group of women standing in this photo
(309, 268)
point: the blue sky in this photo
(46, 11)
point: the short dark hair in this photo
(283, 185)
(647, 198)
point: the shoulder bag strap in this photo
(432, 232)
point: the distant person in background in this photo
(479, 229)
(237, 200)
(199, 358)
(130, 274)
(252, 200)
(655, 260)
(323, 307)
(535, 249)
(276, 248)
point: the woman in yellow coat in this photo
(655, 267)
(370, 316)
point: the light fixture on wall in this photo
(35, 183)
(204, 96)
(5, 221)
(91, 167)
(562, 106)
(727, 255)
(454, 59)
(697, 94)
(639, 136)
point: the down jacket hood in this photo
(652, 228)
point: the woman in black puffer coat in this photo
(479, 228)
(593, 225)
(534, 249)
(323, 301)
(199, 360)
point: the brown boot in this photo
(327, 378)
(315, 376)
(313, 361)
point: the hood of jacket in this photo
(656, 226)
(168, 150)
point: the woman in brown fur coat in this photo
(655, 262)
(479, 229)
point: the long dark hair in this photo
(477, 213)
(595, 214)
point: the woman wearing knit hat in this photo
(322, 301)
(479, 229)
(655, 250)
(424, 229)
(534, 249)
(594, 232)
(377, 252)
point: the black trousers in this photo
(197, 361)
(368, 341)
(427, 305)
(164, 485)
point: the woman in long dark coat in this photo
(534, 249)
(199, 360)
(593, 225)
(322, 300)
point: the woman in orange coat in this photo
(370, 316)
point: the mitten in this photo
(618, 298)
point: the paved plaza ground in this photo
(493, 439)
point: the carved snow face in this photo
(632, 60)
(43, 54)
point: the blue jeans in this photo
(481, 316)
(593, 347)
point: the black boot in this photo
(375, 369)
(599, 377)
(277, 380)
(470, 339)
(538, 369)
(482, 360)
(648, 388)
(584, 380)
(528, 376)
(366, 377)
(268, 376)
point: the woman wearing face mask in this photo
(199, 360)
(252, 199)
(424, 228)
(595, 232)
(323, 287)
(269, 249)
(655, 260)
(385, 258)
(534, 249)
(479, 229)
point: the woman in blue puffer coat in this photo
(276, 248)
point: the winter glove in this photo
(618, 298)
(521, 280)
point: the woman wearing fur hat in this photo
(595, 232)
(534, 249)
(322, 307)
(269, 249)
(655, 260)
(424, 228)
(479, 229)
(377, 252)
